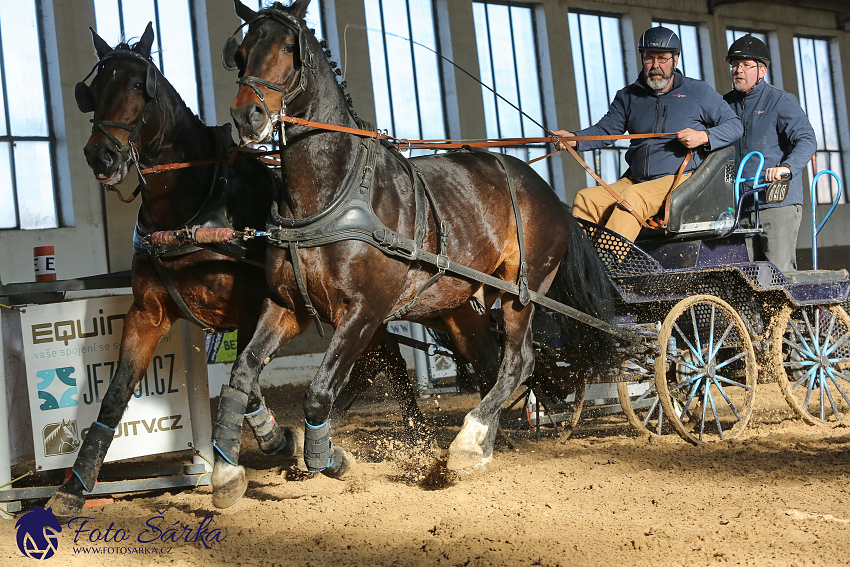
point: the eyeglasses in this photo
(659, 60)
(744, 66)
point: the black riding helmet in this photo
(748, 47)
(659, 38)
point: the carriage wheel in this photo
(642, 406)
(706, 376)
(811, 358)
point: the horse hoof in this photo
(343, 461)
(294, 442)
(229, 484)
(464, 458)
(65, 505)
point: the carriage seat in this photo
(698, 200)
(816, 276)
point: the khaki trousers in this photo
(598, 205)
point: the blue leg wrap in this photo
(227, 430)
(92, 452)
(318, 447)
(271, 437)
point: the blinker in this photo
(84, 97)
(228, 54)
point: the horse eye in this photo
(288, 48)
(138, 86)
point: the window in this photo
(173, 49)
(689, 61)
(817, 97)
(27, 153)
(591, 38)
(732, 35)
(405, 69)
(507, 61)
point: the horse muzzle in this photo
(108, 164)
(252, 123)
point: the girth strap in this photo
(175, 295)
(302, 287)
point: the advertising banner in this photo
(71, 354)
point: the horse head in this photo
(122, 96)
(272, 60)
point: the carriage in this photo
(714, 324)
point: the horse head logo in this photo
(61, 438)
(38, 533)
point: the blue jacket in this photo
(638, 109)
(775, 125)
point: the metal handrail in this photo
(815, 227)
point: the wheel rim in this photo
(811, 352)
(706, 375)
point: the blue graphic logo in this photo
(38, 533)
(65, 395)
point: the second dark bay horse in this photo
(140, 119)
(357, 224)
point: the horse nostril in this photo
(107, 157)
(256, 116)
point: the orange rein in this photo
(241, 152)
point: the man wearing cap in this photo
(776, 126)
(660, 100)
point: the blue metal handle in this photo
(739, 179)
(815, 227)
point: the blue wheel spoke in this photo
(704, 407)
(650, 412)
(837, 344)
(722, 340)
(711, 334)
(697, 353)
(805, 351)
(825, 386)
(809, 350)
(738, 356)
(649, 392)
(806, 376)
(812, 334)
(731, 382)
(728, 401)
(696, 329)
(830, 374)
(714, 410)
(829, 330)
(820, 392)
(681, 362)
(690, 399)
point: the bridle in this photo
(228, 53)
(86, 103)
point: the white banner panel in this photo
(71, 353)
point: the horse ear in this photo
(243, 11)
(100, 45)
(299, 8)
(145, 43)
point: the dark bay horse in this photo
(140, 119)
(355, 219)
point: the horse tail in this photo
(581, 282)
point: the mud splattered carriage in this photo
(713, 324)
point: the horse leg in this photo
(142, 332)
(276, 327)
(271, 437)
(352, 336)
(383, 355)
(476, 437)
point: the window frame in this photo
(842, 152)
(43, 16)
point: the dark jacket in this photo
(775, 125)
(638, 109)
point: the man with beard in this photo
(774, 124)
(660, 100)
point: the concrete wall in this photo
(97, 232)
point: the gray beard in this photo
(660, 83)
